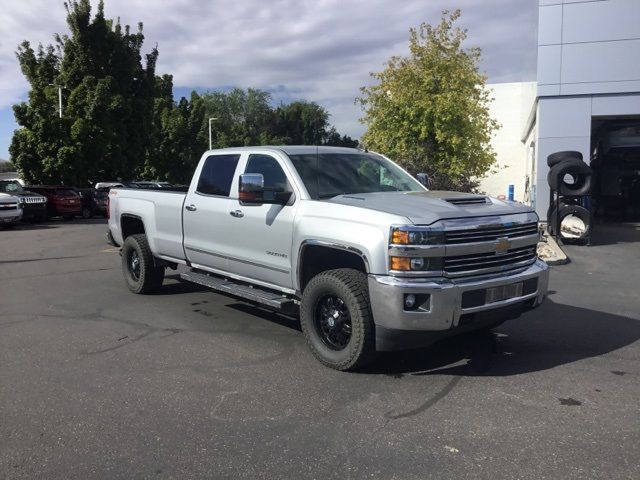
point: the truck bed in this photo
(160, 210)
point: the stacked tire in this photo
(570, 179)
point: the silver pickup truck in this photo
(369, 258)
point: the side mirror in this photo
(252, 191)
(423, 178)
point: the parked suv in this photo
(90, 205)
(61, 201)
(10, 210)
(34, 206)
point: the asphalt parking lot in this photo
(96, 382)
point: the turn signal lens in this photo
(400, 263)
(400, 237)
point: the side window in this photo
(274, 176)
(217, 175)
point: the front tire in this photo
(336, 319)
(139, 270)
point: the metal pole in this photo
(210, 140)
(60, 101)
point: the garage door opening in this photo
(615, 160)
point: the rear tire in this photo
(139, 270)
(86, 213)
(336, 319)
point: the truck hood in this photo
(424, 208)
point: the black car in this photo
(93, 202)
(34, 205)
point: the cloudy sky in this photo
(320, 50)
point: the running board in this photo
(268, 298)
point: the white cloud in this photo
(320, 50)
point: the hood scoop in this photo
(477, 200)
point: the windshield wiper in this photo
(331, 195)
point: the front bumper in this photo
(34, 210)
(444, 309)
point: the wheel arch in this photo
(130, 225)
(317, 256)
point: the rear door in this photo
(206, 220)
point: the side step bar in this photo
(272, 300)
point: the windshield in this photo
(11, 187)
(329, 174)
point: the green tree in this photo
(429, 110)
(108, 102)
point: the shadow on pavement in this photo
(610, 233)
(550, 336)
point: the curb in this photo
(550, 251)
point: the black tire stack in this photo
(570, 181)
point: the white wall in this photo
(511, 105)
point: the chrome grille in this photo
(488, 262)
(490, 233)
(33, 199)
(8, 206)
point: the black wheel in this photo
(336, 319)
(140, 273)
(558, 157)
(86, 212)
(571, 178)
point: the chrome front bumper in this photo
(444, 309)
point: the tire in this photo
(86, 213)
(146, 278)
(577, 211)
(350, 292)
(558, 157)
(581, 173)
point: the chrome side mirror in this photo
(424, 179)
(252, 191)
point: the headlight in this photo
(416, 236)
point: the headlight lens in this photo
(416, 236)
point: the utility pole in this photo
(59, 98)
(60, 101)
(210, 138)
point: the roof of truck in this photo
(296, 149)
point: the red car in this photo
(61, 201)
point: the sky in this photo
(316, 50)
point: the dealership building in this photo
(588, 77)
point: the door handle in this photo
(236, 213)
(191, 208)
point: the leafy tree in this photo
(108, 102)
(429, 110)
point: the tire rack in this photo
(583, 200)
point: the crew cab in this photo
(367, 256)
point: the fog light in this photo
(409, 301)
(417, 263)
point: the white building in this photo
(588, 75)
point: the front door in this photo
(263, 234)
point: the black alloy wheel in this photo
(333, 322)
(133, 262)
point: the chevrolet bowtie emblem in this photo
(502, 245)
